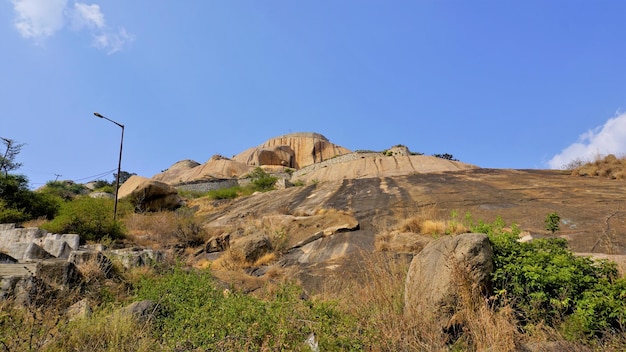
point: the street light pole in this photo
(119, 164)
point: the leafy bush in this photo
(64, 189)
(224, 193)
(546, 282)
(91, 218)
(18, 203)
(552, 222)
(261, 180)
(195, 310)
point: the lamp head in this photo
(98, 115)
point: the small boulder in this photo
(142, 311)
(252, 247)
(78, 310)
(136, 257)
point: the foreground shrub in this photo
(195, 311)
(547, 283)
(104, 331)
(91, 218)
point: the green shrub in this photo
(261, 180)
(66, 190)
(546, 282)
(18, 203)
(224, 193)
(552, 222)
(195, 309)
(91, 218)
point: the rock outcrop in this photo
(216, 168)
(366, 165)
(149, 195)
(295, 150)
(32, 260)
(439, 272)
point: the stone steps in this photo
(20, 269)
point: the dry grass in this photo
(113, 331)
(166, 228)
(380, 307)
(610, 166)
(230, 260)
(484, 326)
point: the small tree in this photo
(445, 156)
(552, 222)
(7, 160)
(124, 176)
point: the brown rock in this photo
(216, 168)
(150, 195)
(378, 165)
(438, 271)
(307, 148)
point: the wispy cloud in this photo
(39, 19)
(603, 140)
(87, 16)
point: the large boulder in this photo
(149, 195)
(445, 268)
(307, 149)
(215, 169)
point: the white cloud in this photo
(87, 16)
(38, 19)
(113, 41)
(607, 139)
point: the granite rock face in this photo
(151, 195)
(295, 150)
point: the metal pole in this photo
(119, 164)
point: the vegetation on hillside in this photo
(610, 166)
(541, 291)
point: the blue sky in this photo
(499, 84)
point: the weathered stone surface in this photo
(142, 310)
(83, 257)
(218, 243)
(58, 273)
(11, 235)
(7, 259)
(278, 156)
(136, 257)
(78, 310)
(377, 165)
(34, 252)
(174, 174)
(216, 168)
(307, 149)
(58, 249)
(150, 195)
(437, 271)
(251, 247)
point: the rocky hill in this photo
(313, 157)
